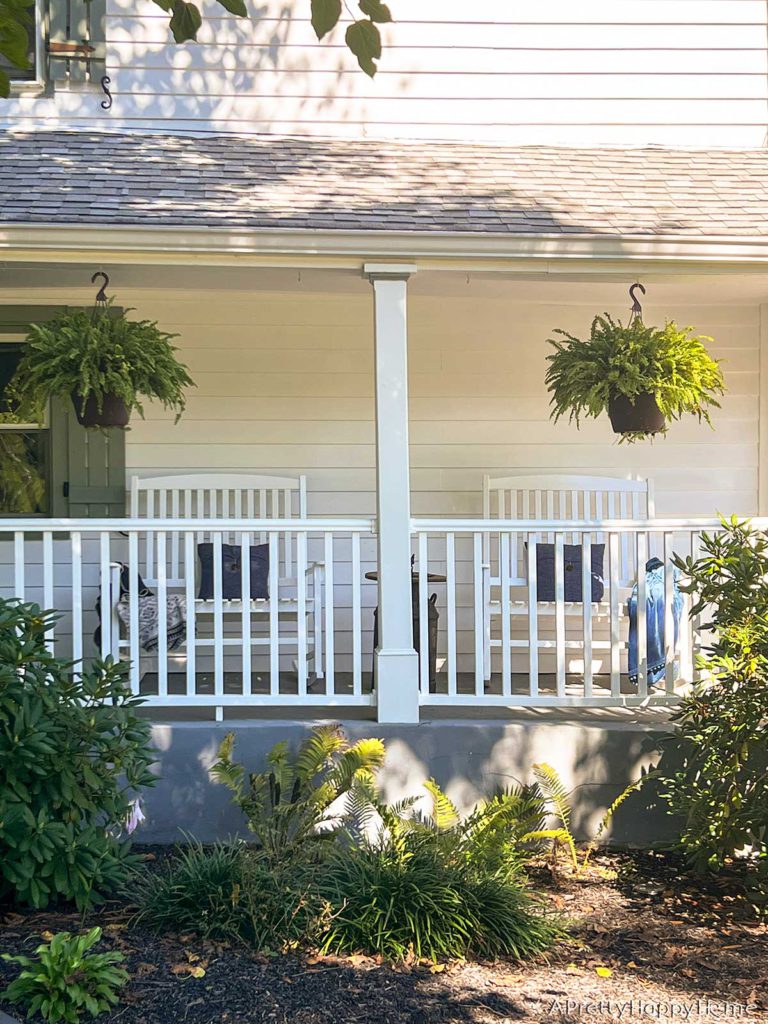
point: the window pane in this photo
(23, 473)
(23, 74)
(9, 360)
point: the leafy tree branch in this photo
(362, 35)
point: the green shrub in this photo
(721, 786)
(73, 756)
(290, 807)
(630, 360)
(354, 872)
(98, 353)
(66, 981)
(412, 897)
(498, 833)
(432, 884)
(229, 892)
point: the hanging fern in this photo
(83, 354)
(670, 363)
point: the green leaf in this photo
(325, 16)
(236, 7)
(364, 40)
(376, 10)
(444, 813)
(185, 21)
(14, 41)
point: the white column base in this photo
(397, 686)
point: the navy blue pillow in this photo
(231, 572)
(572, 560)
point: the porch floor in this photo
(343, 687)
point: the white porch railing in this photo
(501, 645)
(302, 645)
(310, 643)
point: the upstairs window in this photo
(66, 45)
(33, 74)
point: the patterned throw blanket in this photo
(654, 619)
(149, 614)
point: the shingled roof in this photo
(87, 177)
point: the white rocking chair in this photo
(551, 497)
(231, 496)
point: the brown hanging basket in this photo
(640, 415)
(114, 412)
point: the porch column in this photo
(397, 664)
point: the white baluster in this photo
(533, 617)
(48, 593)
(162, 616)
(357, 652)
(450, 572)
(560, 612)
(669, 621)
(190, 562)
(586, 602)
(615, 657)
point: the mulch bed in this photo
(649, 943)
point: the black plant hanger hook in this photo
(637, 309)
(101, 294)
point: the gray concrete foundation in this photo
(597, 755)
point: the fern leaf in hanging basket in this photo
(101, 361)
(633, 365)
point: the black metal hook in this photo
(101, 295)
(107, 103)
(637, 309)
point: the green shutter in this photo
(74, 22)
(87, 467)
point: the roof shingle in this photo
(131, 178)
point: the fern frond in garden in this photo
(364, 756)
(296, 802)
(554, 790)
(555, 835)
(605, 821)
(318, 751)
(444, 814)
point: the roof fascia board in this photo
(276, 247)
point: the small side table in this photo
(432, 612)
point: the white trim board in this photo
(306, 247)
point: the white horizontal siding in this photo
(285, 385)
(675, 72)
